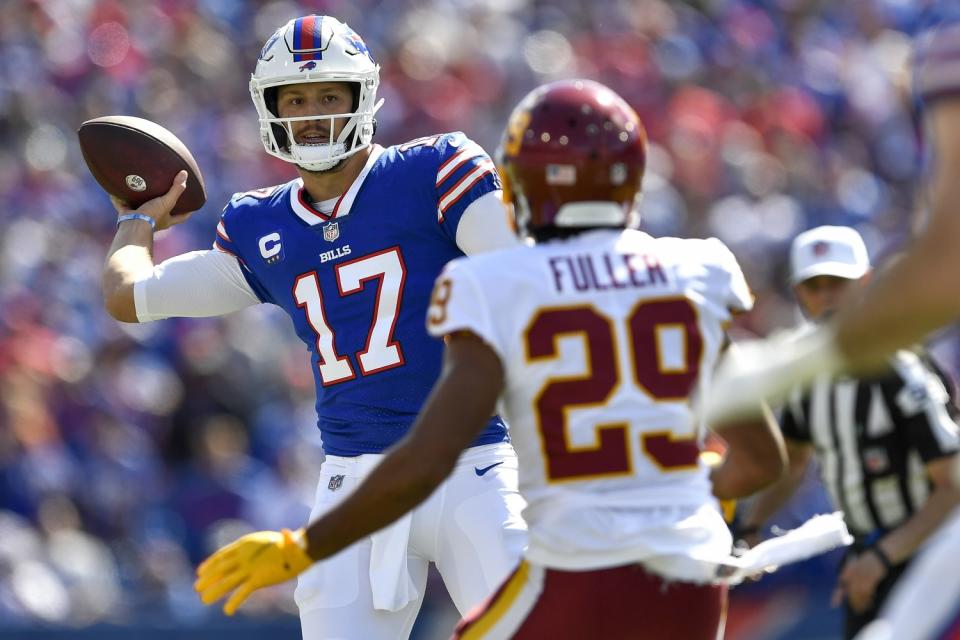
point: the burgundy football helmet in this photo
(572, 156)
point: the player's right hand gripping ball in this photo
(254, 561)
(136, 160)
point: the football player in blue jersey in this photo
(914, 295)
(350, 250)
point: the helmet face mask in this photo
(311, 155)
(315, 49)
(572, 157)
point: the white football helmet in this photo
(316, 49)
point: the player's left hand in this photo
(254, 561)
(858, 581)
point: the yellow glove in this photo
(254, 561)
(729, 509)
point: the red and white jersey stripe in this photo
(459, 173)
(464, 185)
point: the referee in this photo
(885, 444)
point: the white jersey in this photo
(604, 339)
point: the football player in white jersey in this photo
(595, 339)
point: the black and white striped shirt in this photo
(873, 437)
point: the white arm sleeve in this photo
(484, 226)
(193, 285)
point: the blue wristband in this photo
(137, 216)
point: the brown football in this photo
(136, 160)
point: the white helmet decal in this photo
(315, 49)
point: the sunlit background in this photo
(128, 452)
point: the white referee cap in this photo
(828, 251)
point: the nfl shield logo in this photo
(335, 483)
(331, 231)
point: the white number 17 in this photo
(381, 351)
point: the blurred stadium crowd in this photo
(126, 452)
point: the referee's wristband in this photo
(137, 216)
(884, 558)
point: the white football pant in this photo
(470, 527)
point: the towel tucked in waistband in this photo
(390, 581)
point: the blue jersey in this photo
(357, 281)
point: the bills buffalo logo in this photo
(335, 483)
(308, 66)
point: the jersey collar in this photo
(301, 205)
